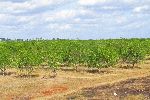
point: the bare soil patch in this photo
(54, 90)
(132, 89)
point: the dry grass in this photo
(117, 91)
(135, 97)
(41, 87)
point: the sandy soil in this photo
(41, 87)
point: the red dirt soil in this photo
(54, 90)
(45, 92)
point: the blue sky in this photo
(83, 19)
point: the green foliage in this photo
(5, 58)
(134, 54)
(102, 57)
(27, 55)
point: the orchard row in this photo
(71, 53)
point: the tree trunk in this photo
(76, 68)
(133, 65)
(3, 70)
(3, 73)
(54, 73)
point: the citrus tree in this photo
(102, 57)
(132, 52)
(5, 58)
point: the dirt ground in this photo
(110, 84)
(132, 89)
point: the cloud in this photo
(91, 2)
(141, 9)
(60, 15)
(86, 18)
(18, 7)
(59, 26)
(109, 7)
(2, 16)
(121, 19)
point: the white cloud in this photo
(91, 2)
(66, 14)
(77, 20)
(129, 1)
(12, 19)
(17, 7)
(65, 27)
(59, 26)
(82, 16)
(5, 18)
(141, 8)
(109, 7)
(2, 16)
(84, 11)
(135, 25)
(60, 15)
(121, 19)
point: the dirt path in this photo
(132, 89)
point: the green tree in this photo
(5, 58)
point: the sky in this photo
(74, 19)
